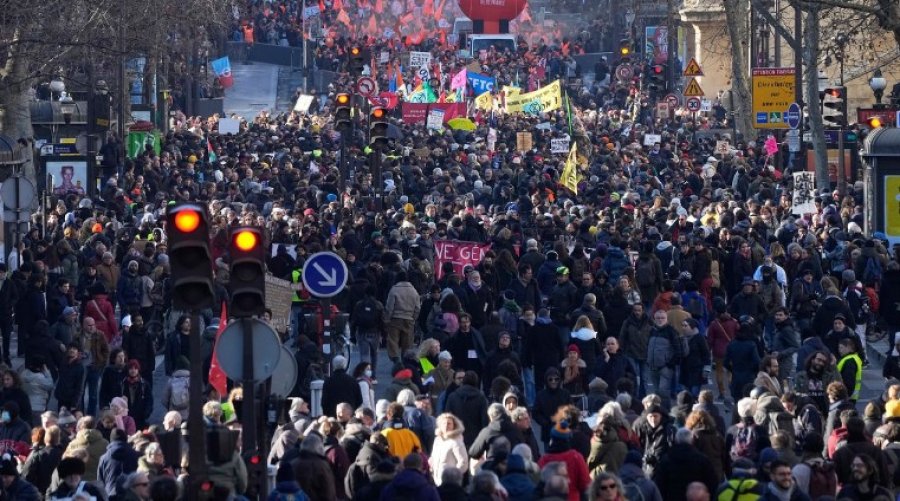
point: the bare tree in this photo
(738, 33)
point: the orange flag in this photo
(337, 5)
(321, 5)
(428, 8)
(400, 82)
(379, 6)
(373, 26)
(217, 377)
(439, 10)
(343, 17)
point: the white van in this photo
(477, 43)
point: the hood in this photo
(509, 394)
(615, 252)
(584, 334)
(629, 473)
(182, 373)
(664, 245)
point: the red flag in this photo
(217, 377)
(379, 6)
(337, 5)
(373, 26)
(343, 17)
(439, 10)
(428, 8)
(321, 5)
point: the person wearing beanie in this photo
(312, 470)
(340, 387)
(469, 404)
(138, 394)
(379, 478)
(401, 309)
(402, 380)
(561, 450)
(119, 460)
(70, 472)
(14, 486)
(441, 375)
(548, 401)
(546, 274)
(656, 435)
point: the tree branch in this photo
(849, 6)
(777, 26)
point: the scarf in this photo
(512, 306)
(475, 285)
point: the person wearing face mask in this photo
(15, 433)
(365, 378)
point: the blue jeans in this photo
(661, 382)
(642, 373)
(528, 381)
(92, 382)
(368, 344)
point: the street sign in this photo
(693, 104)
(692, 89)
(693, 69)
(285, 376)
(266, 350)
(662, 108)
(325, 274)
(366, 86)
(773, 93)
(624, 72)
(12, 212)
(793, 116)
(897, 121)
(793, 140)
(673, 100)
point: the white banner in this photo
(310, 11)
(418, 59)
(560, 145)
(803, 199)
(651, 139)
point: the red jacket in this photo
(101, 310)
(579, 476)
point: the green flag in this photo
(138, 141)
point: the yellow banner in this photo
(892, 206)
(569, 176)
(547, 98)
(484, 102)
(511, 90)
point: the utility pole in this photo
(798, 82)
(672, 42)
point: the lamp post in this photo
(57, 87)
(841, 40)
(878, 84)
(66, 107)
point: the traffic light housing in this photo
(247, 284)
(356, 60)
(190, 258)
(378, 126)
(834, 107)
(875, 122)
(256, 474)
(625, 49)
(342, 111)
(656, 79)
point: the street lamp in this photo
(877, 83)
(57, 86)
(66, 107)
(841, 40)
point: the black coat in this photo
(680, 466)
(9, 294)
(546, 402)
(139, 395)
(544, 346)
(119, 460)
(70, 387)
(502, 427)
(138, 345)
(111, 383)
(40, 465)
(340, 387)
(470, 405)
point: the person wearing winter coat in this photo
(696, 365)
(477, 300)
(785, 343)
(401, 309)
(90, 439)
(681, 465)
(177, 388)
(584, 337)
(15, 432)
(138, 344)
(39, 467)
(137, 393)
(708, 440)
(560, 449)
(548, 401)
(411, 482)
(70, 386)
(499, 426)
(13, 486)
(633, 338)
(616, 262)
(372, 453)
(469, 404)
(38, 385)
(381, 477)
(449, 449)
(119, 460)
(562, 299)
(402, 380)
(607, 449)
(40, 345)
(102, 311)
(112, 377)
(720, 332)
(545, 346)
(742, 359)
(612, 365)
(467, 347)
(546, 273)
(656, 436)
(286, 486)
(632, 475)
(340, 387)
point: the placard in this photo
(723, 147)
(384, 57)
(233, 125)
(651, 139)
(435, 120)
(459, 253)
(523, 141)
(302, 106)
(560, 145)
(803, 199)
(279, 297)
(418, 59)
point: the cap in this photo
(68, 310)
(445, 355)
(562, 270)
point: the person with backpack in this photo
(176, 395)
(696, 364)
(814, 475)
(860, 308)
(694, 303)
(665, 350)
(648, 273)
(130, 289)
(870, 264)
(367, 325)
(746, 439)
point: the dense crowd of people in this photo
(672, 330)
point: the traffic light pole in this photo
(248, 418)
(841, 179)
(376, 176)
(196, 426)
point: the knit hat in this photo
(598, 384)
(561, 431)
(65, 418)
(848, 276)
(403, 374)
(126, 320)
(285, 473)
(654, 409)
(767, 456)
(445, 355)
(8, 465)
(70, 466)
(573, 347)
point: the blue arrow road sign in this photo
(792, 116)
(325, 274)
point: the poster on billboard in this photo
(656, 43)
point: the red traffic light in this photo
(206, 486)
(246, 240)
(254, 459)
(835, 92)
(187, 221)
(658, 69)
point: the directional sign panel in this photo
(773, 93)
(325, 274)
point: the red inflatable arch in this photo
(492, 15)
